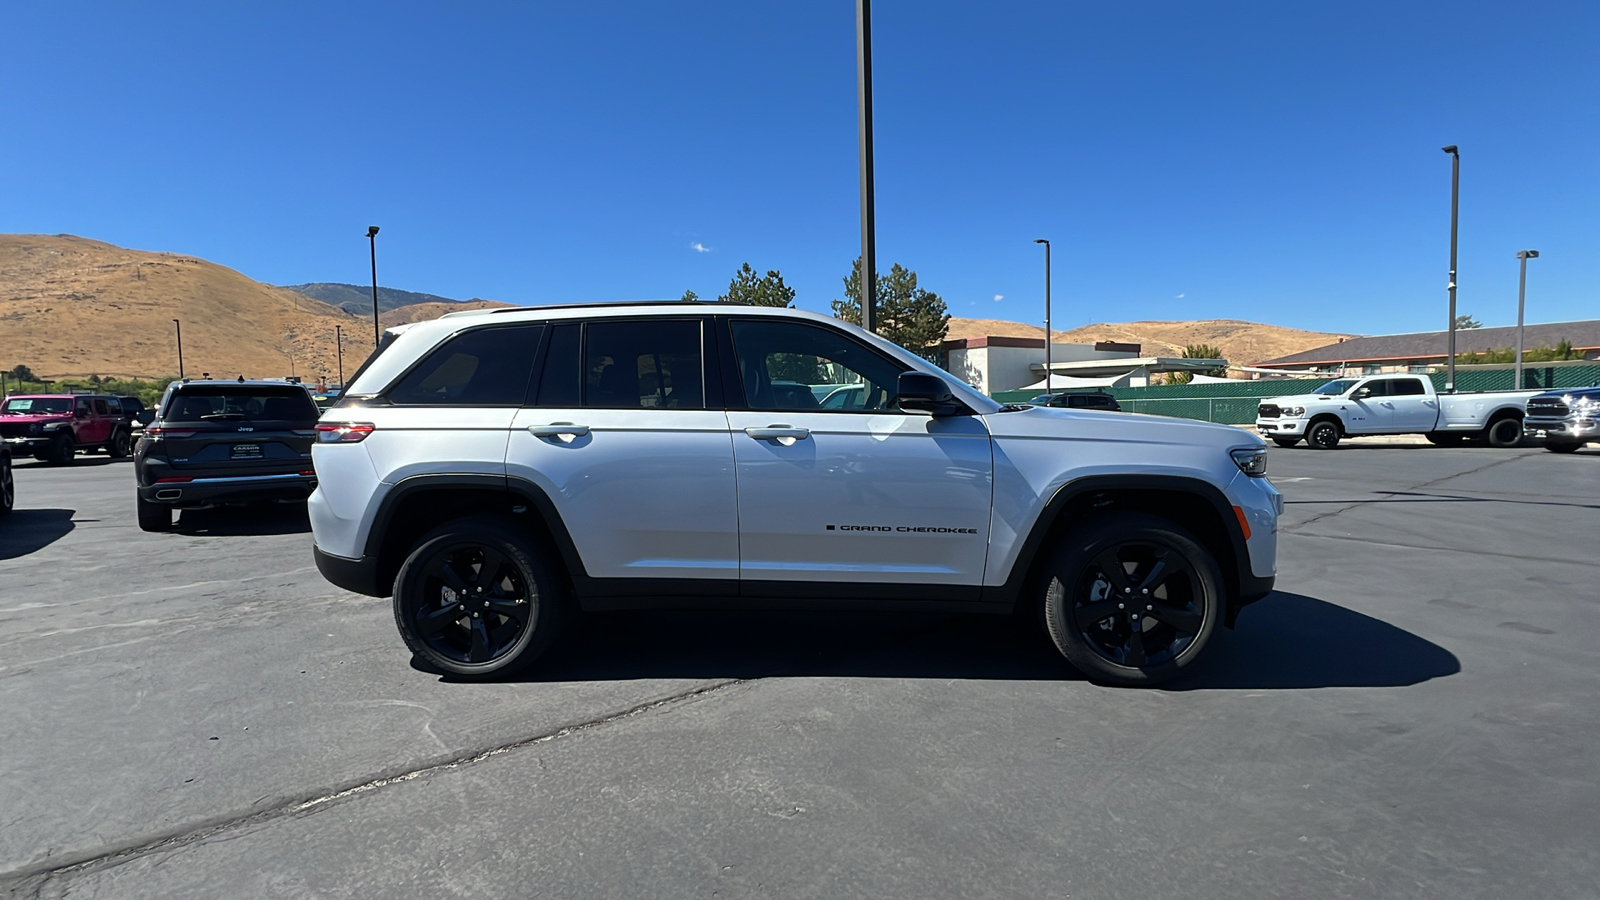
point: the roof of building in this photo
(1584, 335)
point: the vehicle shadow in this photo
(1284, 641)
(28, 530)
(255, 520)
(1293, 641)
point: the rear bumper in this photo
(237, 489)
(358, 575)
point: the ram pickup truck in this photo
(1565, 420)
(1391, 404)
(54, 427)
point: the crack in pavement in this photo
(33, 879)
(1520, 557)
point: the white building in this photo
(994, 364)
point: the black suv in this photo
(224, 442)
(1079, 400)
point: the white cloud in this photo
(699, 247)
(1179, 297)
(999, 297)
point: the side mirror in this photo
(921, 392)
(1361, 394)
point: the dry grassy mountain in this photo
(70, 306)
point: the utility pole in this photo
(179, 325)
(1522, 294)
(1047, 378)
(338, 343)
(869, 270)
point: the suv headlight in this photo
(1252, 461)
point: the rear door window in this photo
(1406, 387)
(654, 364)
(482, 367)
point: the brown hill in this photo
(72, 307)
(1241, 343)
(419, 312)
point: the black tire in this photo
(61, 452)
(1285, 442)
(8, 486)
(1323, 435)
(1105, 634)
(152, 516)
(1506, 432)
(1562, 447)
(119, 445)
(515, 621)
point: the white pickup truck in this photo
(1391, 404)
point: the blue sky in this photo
(1271, 161)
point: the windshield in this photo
(38, 406)
(208, 404)
(1337, 386)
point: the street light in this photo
(338, 343)
(1522, 293)
(179, 325)
(1046, 312)
(1455, 207)
(372, 238)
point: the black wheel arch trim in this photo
(1243, 585)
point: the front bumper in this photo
(203, 492)
(31, 444)
(1570, 428)
(1281, 426)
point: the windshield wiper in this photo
(231, 416)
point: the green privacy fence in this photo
(1235, 402)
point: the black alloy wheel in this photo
(119, 445)
(474, 600)
(1286, 441)
(8, 486)
(62, 452)
(1505, 432)
(1323, 435)
(1132, 599)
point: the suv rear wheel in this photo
(1131, 599)
(473, 599)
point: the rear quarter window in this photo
(482, 367)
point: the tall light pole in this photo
(372, 238)
(1522, 294)
(1455, 208)
(179, 325)
(1046, 312)
(869, 270)
(338, 343)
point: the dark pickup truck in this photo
(53, 428)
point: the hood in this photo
(1571, 394)
(1102, 425)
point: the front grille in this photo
(1547, 407)
(14, 429)
(1269, 411)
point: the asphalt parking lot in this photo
(1414, 714)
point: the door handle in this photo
(558, 429)
(778, 432)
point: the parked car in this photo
(1392, 404)
(55, 427)
(224, 442)
(136, 413)
(1081, 400)
(1564, 420)
(8, 484)
(487, 468)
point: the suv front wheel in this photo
(1131, 599)
(474, 600)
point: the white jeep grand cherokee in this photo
(494, 469)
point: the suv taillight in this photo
(343, 432)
